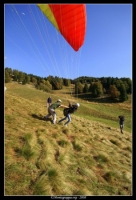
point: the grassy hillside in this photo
(89, 157)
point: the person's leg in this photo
(69, 119)
(54, 118)
(121, 128)
(53, 113)
(48, 115)
(62, 119)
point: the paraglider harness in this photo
(70, 110)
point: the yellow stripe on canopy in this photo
(48, 13)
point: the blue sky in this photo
(32, 44)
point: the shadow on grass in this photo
(40, 117)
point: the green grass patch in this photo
(89, 157)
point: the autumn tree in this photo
(7, 77)
(56, 82)
(66, 82)
(34, 80)
(113, 92)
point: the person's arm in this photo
(69, 104)
(63, 106)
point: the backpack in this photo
(65, 111)
(69, 110)
(122, 119)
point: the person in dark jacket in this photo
(121, 123)
(68, 111)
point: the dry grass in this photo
(86, 158)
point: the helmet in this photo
(77, 104)
(59, 100)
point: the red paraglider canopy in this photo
(70, 21)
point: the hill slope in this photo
(86, 158)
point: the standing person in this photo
(49, 102)
(71, 109)
(51, 110)
(121, 123)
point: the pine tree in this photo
(123, 94)
(85, 89)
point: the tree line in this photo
(118, 88)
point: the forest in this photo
(94, 87)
